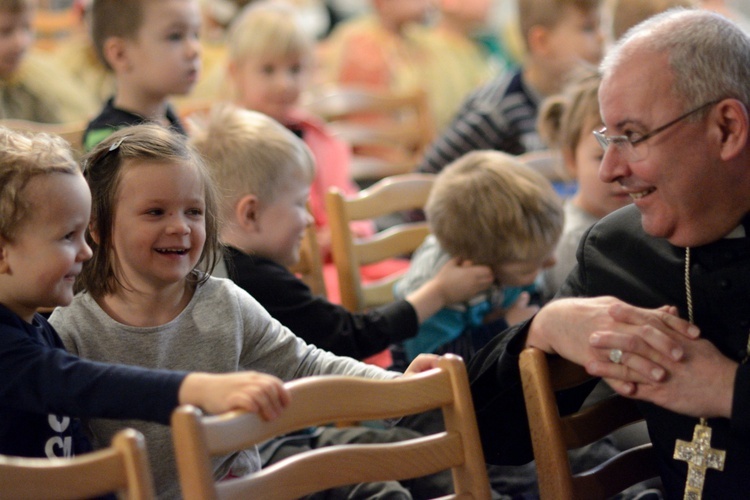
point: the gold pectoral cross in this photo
(700, 457)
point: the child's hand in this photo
(422, 363)
(453, 283)
(461, 281)
(520, 310)
(252, 391)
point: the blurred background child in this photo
(153, 48)
(270, 60)
(32, 86)
(380, 50)
(502, 114)
(76, 53)
(456, 63)
(566, 122)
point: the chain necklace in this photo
(698, 454)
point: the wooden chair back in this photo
(390, 195)
(552, 435)
(123, 468)
(324, 399)
(70, 131)
(388, 131)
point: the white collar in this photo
(737, 232)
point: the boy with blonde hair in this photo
(264, 172)
(502, 114)
(488, 208)
(154, 51)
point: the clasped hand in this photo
(663, 361)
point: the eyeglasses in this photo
(626, 144)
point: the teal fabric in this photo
(448, 323)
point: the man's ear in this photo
(116, 53)
(732, 123)
(246, 212)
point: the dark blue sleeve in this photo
(39, 376)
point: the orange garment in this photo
(361, 51)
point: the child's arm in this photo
(252, 391)
(455, 282)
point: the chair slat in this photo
(392, 195)
(323, 399)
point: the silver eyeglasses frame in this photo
(627, 145)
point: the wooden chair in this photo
(123, 468)
(324, 399)
(70, 131)
(390, 195)
(552, 435)
(388, 132)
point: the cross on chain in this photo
(700, 457)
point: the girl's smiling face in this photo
(270, 85)
(159, 225)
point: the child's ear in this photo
(538, 40)
(94, 232)
(246, 212)
(115, 52)
(235, 76)
(4, 267)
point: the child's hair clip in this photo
(117, 144)
(103, 154)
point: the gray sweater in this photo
(222, 329)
